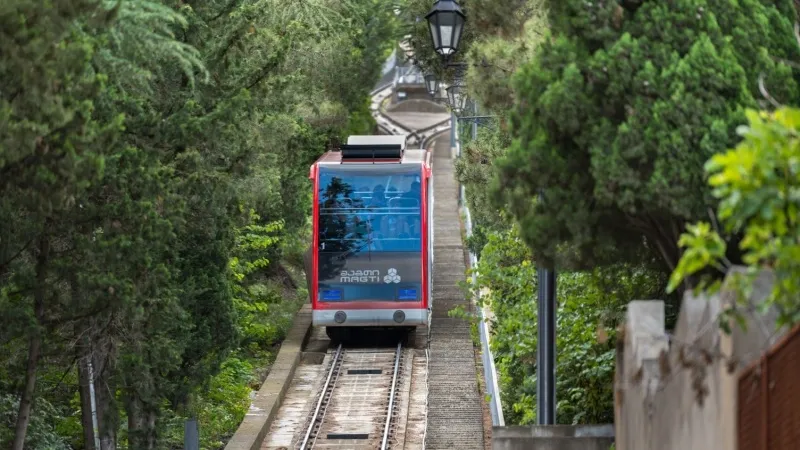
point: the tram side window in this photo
(362, 213)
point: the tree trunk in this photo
(25, 405)
(34, 348)
(151, 429)
(141, 423)
(135, 422)
(104, 391)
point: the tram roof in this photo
(377, 149)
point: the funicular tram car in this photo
(370, 260)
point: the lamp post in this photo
(431, 84)
(457, 98)
(446, 24)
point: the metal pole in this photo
(546, 351)
(453, 131)
(93, 401)
(475, 122)
(191, 435)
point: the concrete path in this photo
(455, 412)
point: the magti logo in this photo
(360, 276)
(392, 276)
(368, 276)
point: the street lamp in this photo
(457, 98)
(446, 22)
(432, 84)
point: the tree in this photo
(53, 148)
(757, 185)
(617, 113)
(130, 133)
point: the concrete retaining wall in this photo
(553, 437)
(417, 105)
(410, 92)
(661, 376)
(268, 399)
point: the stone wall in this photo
(677, 391)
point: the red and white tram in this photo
(371, 253)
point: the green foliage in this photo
(590, 306)
(474, 169)
(619, 109)
(219, 409)
(129, 133)
(757, 184)
(225, 403)
(42, 432)
(253, 299)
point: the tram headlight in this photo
(399, 316)
(339, 317)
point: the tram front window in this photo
(370, 234)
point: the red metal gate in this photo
(769, 399)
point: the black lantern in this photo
(457, 96)
(432, 84)
(446, 22)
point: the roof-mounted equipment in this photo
(377, 152)
(374, 148)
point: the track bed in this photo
(354, 398)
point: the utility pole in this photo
(191, 435)
(546, 347)
(93, 401)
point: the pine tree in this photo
(619, 110)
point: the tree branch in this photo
(5, 264)
(64, 375)
(765, 93)
(226, 9)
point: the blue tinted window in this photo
(364, 211)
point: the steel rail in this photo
(322, 396)
(398, 355)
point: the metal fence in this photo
(769, 399)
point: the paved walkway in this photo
(455, 413)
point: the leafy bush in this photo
(223, 406)
(474, 169)
(42, 432)
(590, 305)
(758, 186)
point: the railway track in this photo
(357, 404)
